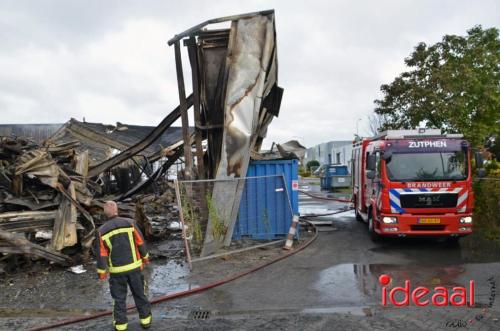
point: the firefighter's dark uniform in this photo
(122, 252)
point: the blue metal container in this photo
(265, 211)
(331, 175)
(338, 170)
(325, 182)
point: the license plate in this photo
(429, 221)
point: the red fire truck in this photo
(414, 183)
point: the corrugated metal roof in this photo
(36, 132)
(101, 139)
(98, 138)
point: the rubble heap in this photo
(49, 207)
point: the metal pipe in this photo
(200, 26)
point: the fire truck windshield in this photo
(404, 167)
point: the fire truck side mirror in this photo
(387, 155)
(370, 174)
(371, 162)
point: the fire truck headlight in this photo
(390, 220)
(466, 220)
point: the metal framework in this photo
(236, 95)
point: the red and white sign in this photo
(429, 185)
(295, 185)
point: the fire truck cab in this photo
(413, 183)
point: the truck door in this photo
(356, 177)
(372, 186)
(368, 182)
(377, 182)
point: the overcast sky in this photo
(109, 61)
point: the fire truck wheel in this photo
(374, 236)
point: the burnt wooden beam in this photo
(27, 221)
(143, 144)
(89, 224)
(198, 134)
(25, 247)
(183, 109)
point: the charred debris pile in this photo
(51, 197)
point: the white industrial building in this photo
(332, 152)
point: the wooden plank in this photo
(82, 163)
(26, 215)
(199, 259)
(64, 231)
(183, 109)
(27, 221)
(193, 58)
(181, 217)
(24, 246)
(89, 221)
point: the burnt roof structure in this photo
(102, 140)
(236, 95)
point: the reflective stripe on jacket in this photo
(121, 246)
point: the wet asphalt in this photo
(336, 277)
(339, 271)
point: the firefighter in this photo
(122, 253)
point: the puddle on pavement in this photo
(341, 285)
(357, 284)
(168, 278)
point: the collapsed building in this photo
(51, 192)
(48, 201)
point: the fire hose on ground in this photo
(187, 292)
(305, 217)
(324, 198)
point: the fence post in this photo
(181, 217)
